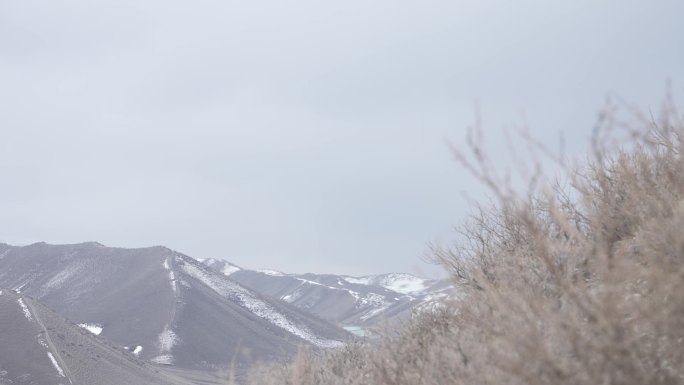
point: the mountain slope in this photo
(162, 305)
(41, 347)
(349, 301)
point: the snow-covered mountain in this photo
(349, 301)
(37, 346)
(161, 305)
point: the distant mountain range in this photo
(156, 316)
(353, 302)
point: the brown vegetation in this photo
(581, 284)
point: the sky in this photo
(302, 136)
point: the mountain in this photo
(40, 347)
(354, 302)
(161, 305)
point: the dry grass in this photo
(576, 285)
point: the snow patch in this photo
(229, 269)
(271, 273)
(374, 312)
(56, 365)
(354, 294)
(137, 350)
(295, 295)
(357, 331)
(358, 281)
(172, 275)
(24, 308)
(375, 302)
(242, 296)
(399, 282)
(59, 279)
(164, 359)
(167, 339)
(224, 267)
(403, 283)
(372, 299)
(23, 281)
(306, 281)
(93, 328)
(172, 279)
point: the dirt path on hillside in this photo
(51, 346)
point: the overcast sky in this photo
(304, 136)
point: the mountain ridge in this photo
(162, 304)
(349, 301)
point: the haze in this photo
(304, 136)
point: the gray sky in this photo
(302, 135)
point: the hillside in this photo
(354, 302)
(40, 347)
(161, 305)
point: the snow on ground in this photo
(137, 350)
(374, 301)
(403, 283)
(374, 312)
(292, 297)
(164, 359)
(172, 279)
(167, 340)
(358, 281)
(229, 269)
(23, 281)
(400, 283)
(93, 328)
(356, 330)
(55, 364)
(271, 273)
(239, 294)
(24, 308)
(172, 275)
(436, 300)
(306, 281)
(59, 279)
(317, 284)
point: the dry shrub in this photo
(581, 284)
